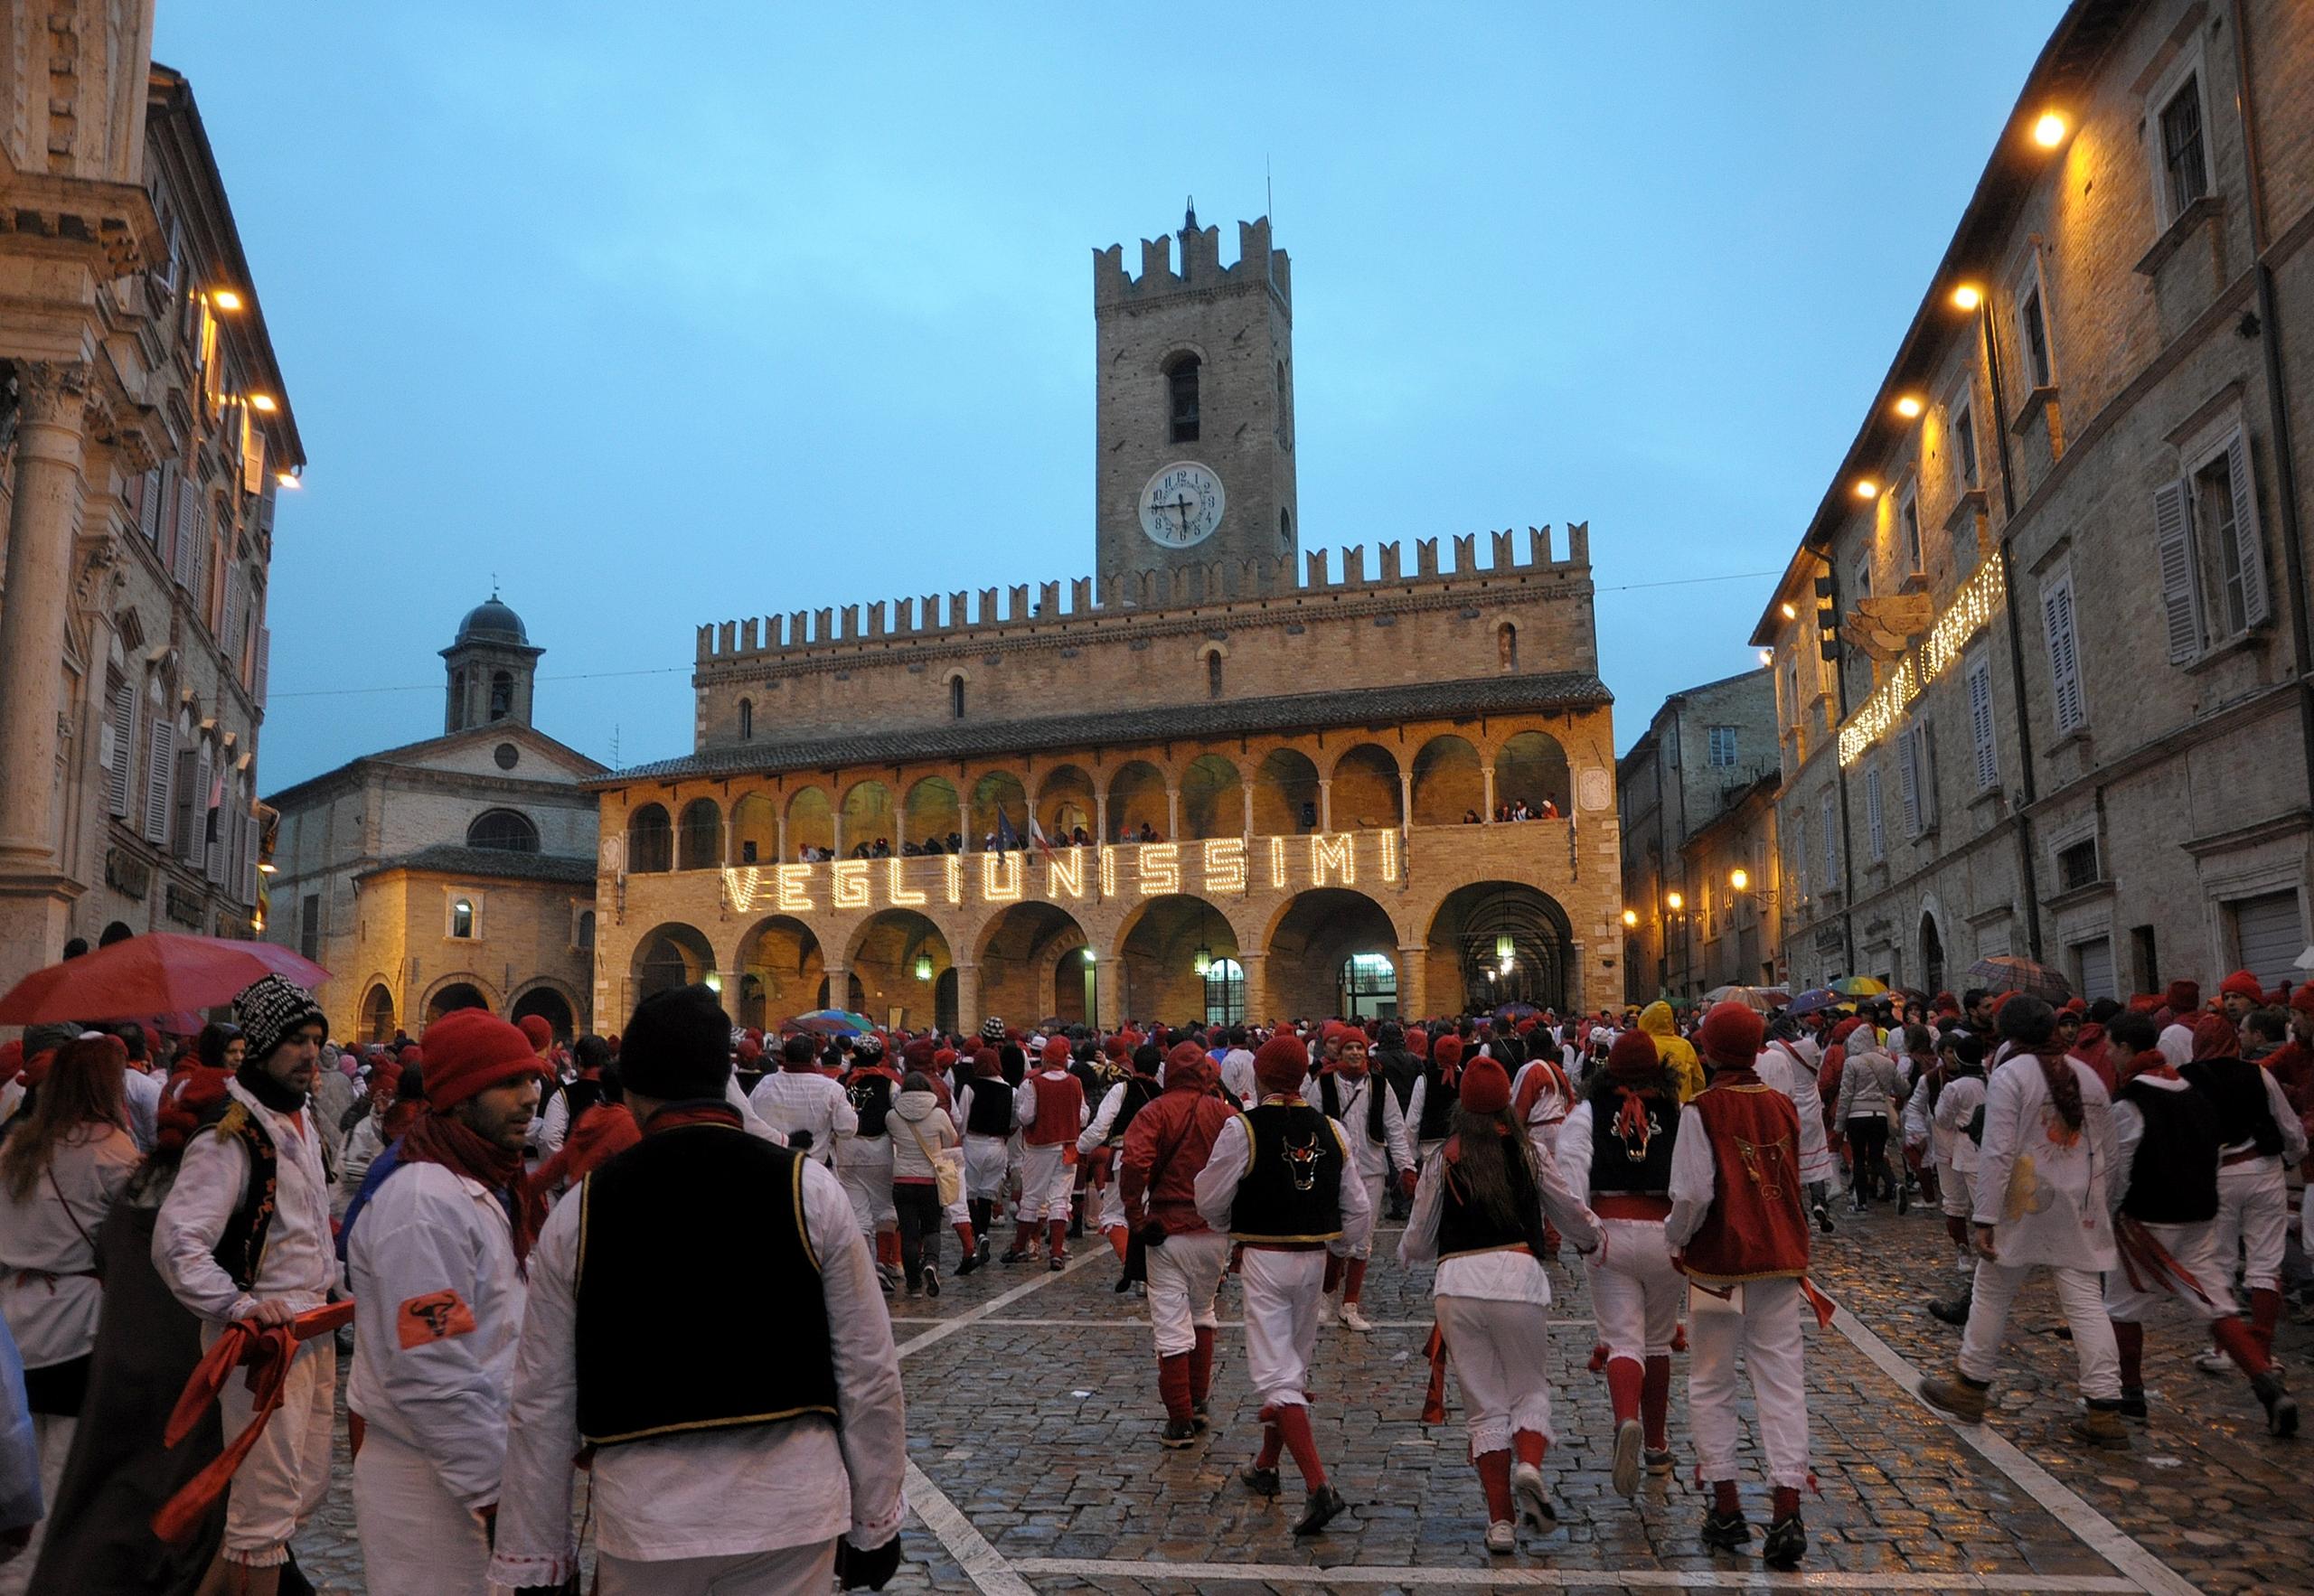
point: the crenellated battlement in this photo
(1264, 584)
(1201, 269)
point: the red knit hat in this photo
(1184, 1053)
(1337, 1033)
(1486, 1089)
(2243, 984)
(471, 1050)
(2302, 1000)
(2183, 996)
(1056, 1054)
(537, 1030)
(1633, 1056)
(750, 1050)
(1447, 1051)
(1282, 1063)
(1730, 1034)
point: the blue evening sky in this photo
(673, 313)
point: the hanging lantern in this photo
(1504, 947)
(924, 967)
(1203, 962)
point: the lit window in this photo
(1225, 992)
(462, 917)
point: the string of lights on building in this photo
(1971, 610)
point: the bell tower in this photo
(491, 665)
(1194, 432)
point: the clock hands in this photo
(1180, 507)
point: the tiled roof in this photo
(1486, 695)
(449, 858)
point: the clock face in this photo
(1182, 505)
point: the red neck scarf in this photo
(703, 1111)
(437, 1139)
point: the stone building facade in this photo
(144, 430)
(1702, 754)
(1283, 774)
(453, 873)
(2043, 675)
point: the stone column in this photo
(1326, 805)
(1247, 790)
(1487, 770)
(1405, 797)
(968, 1014)
(1172, 814)
(779, 848)
(835, 840)
(1108, 990)
(1256, 967)
(1101, 818)
(1414, 981)
(839, 985)
(43, 525)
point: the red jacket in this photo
(1180, 1128)
(1757, 1228)
(1060, 1111)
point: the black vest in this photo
(241, 1246)
(1140, 1092)
(1438, 1101)
(1635, 1161)
(871, 1099)
(1463, 1228)
(581, 1094)
(685, 1321)
(2237, 1088)
(992, 1110)
(1330, 1094)
(2173, 1179)
(1291, 1188)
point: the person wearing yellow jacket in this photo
(1678, 1055)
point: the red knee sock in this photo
(1655, 1402)
(1024, 1235)
(1056, 1237)
(1293, 1424)
(1786, 1504)
(1529, 1444)
(1353, 1278)
(1494, 1474)
(2265, 1313)
(2129, 1339)
(964, 1235)
(2238, 1341)
(1173, 1384)
(1723, 1500)
(1273, 1440)
(1201, 1366)
(1333, 1274)
(1118, 1238)
(1623, 1380)
(1550, 1239)
(888, 1247)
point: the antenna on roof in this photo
(1189, 216)
(1269, 196)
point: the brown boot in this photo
(1958, 1398)
(2100, 1424)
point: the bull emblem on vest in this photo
(1768, 1163)
(1302, 1161)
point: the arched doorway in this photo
(896, 959)
(1020, 955)
(1225, 992)
(1311, 945)
(781, 972)
(1158, 956)
(378, 1014)
(453, 996)
(1931, 957)
(1500, 941)
(668, 956)
(549, 1005)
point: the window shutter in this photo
(160, 754)
(188, 533)
(252, 841)
(2064, 657)
(121, 727)
(1832, 845)
(2249, 545)
(2181, 599)
(229, 839)
(191, 781)
(1980, 732)
(252, 455)
(1874, 822)
(165, 520)
(1800, 853)
(1908, 780)
(1923, 736)
(148, 508)
(264, 655)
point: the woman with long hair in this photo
(1479, 1211)
(59, 1171)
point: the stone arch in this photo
(997, 792)
(1464, 949)
(1930, 938)
(1066, 801)
(1156, 948)
(1449, 782)
(376, 1022)
(1137, 797)
(868, 815)
(551, 1001)
(782, 968)
(461, 989)
(1019, 952)
(698, 838)
(810, 821)
(1213, 798)
(883, 955)
(930, 809)
(1286, 793)
(1531, 766)
(755, 829)
(1310, 940)
(650, 841)
(669, 955)
(1366, 796)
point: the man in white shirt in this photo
(264, 1143)
(810, 1107)
(1367, 1111)
(435, 1260)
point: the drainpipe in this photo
(1839, 775)
(2293, 537)
(2019, 712)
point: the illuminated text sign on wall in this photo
(1217, 867)
(1971, 611)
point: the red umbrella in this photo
(143, 976)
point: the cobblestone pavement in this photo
(1033, 1418)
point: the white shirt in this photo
(52, 1313)
(363, 1143)
(1024, 1099)
(2058, 1213)
(1373, 1160)
(712, 1493)
(143, 1094)
(438, 1309)
(1509, 1276)
(1216, 1184)
(1695, 1180)
(299, 1262)
(807, 1102)
(1237, 1076)
(1792, 1072)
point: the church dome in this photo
(492, 621)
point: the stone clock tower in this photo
(1195, 431)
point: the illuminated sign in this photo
(1971, 611)
(1216, 866)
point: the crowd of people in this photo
(507, 1234)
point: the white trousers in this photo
(2195, 1248)
(1281, 1291)
(1112, 1203)
(2081, 1293)
(791, 1569)
(285, 1475)
(1184, 1278)
(52, 1433)
(1047, 1184)
(417, 1540)
(987, 1157)
(865, 1168)
(1374, 1204)
(1636, 1293)
(2252, 1215)
(1766, 1330)
(1500, 1351)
